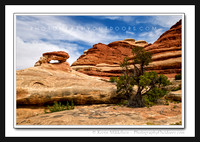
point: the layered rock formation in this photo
(40, 86)
(60, 56)
(48, 82)
(104, 60)
(167, 52)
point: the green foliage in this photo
(177, 88)
(141, 56)
(45, 111)
(113, 79)
(56, 107)
(67, 105)
(163, 80)
(176, 102)
(149, 78)
(166, 102)
(144, 81)
(153, 95)
(122, 103)
(148, 83)
(125, 82)
(178, 77)
(72, 104)
(153, 81)
(125, 63)
(59, 107)
(125, 86)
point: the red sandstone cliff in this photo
(104, 60)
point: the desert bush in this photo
(113, 79)
(178, 77)
(58, 106)
(177, 88)
(166, 102)
(152, 96)
(122, 103)
(149, 84)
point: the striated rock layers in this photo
(47, 83)
(104, 60)
(60, 56)
(167, 52)
(39, 86)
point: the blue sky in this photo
(74, 34)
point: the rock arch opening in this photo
(54, 61)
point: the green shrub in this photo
(176, 89)
(152, 96)
(167, 102)
(122, 103)
(178, 77)
(125, 86)
(67, 105)
(59, 107)
(72, 104)
(113, 79)
(150, 84)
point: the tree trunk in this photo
(136, 101)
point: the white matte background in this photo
(189, 70)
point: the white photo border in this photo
(13, 76)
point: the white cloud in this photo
(120, 18)
(162, 20)
(54, 28)
(131, 33)
(166, 21)
(112, 17)
(30, 52)
(151, 36)
(39, 34)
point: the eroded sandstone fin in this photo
(59, 56)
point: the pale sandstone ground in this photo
(40, 85)
(102, 114)
(50, 83)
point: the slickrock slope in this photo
(104, 60)
(39, 86)
(47, 82)
(103, 114)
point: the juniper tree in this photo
(148, 83)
